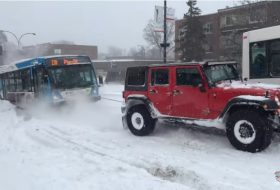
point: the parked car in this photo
(206, 94)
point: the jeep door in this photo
(189, 93)
(159, 90)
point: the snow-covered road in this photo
(85, 147)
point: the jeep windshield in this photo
(74, 76)
(218, 73)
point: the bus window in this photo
(258, 65)
(86, 76)
(26, 80)
(78, 76)
(275, 58)
(11, 84)
(1, 89)
(5, 84)
(18, 81)
(42, 81)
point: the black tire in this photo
(139, 121)
(249, 130)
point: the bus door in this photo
(41, 83)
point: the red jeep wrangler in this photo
(204, 94)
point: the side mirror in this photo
(100, 80)
(201, 87)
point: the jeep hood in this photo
(242, 88)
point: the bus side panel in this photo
(4, 83)
(245, 56)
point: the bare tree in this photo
(154, 38)
(114, 51)
(3, 38)
(138, 52)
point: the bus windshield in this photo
(218, 73)
(74, 76)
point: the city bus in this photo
(261, 55)
(55, 79)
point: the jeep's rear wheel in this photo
(139, 121)
(249, 130)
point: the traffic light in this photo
(1, 50)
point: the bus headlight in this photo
(57, 97)
(94, 91)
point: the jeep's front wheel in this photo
(139, 121)
(248, 130)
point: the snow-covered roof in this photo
(7, 68)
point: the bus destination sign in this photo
(61, 61)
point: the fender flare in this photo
(136, 101)
(265, 104)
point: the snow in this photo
(84, 146)
(217, 123)
(238, 84)
(249, 97)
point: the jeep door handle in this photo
(153, 91)
(176, 92)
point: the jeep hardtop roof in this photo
(205, 63)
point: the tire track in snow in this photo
(167, 173)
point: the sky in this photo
(101, 23)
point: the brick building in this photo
(59, 49)
(223, 30)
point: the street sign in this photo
(159, 17)
(164, 45)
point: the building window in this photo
(57, 51)
(182, 32)
(207, 48)
(228, 20)
(208, 28)
(256, 16)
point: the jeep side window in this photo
(160, 77)
(136, 77)
(188, 77)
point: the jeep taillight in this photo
(277, 100)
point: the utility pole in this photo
(164, 37)
(164, 45)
